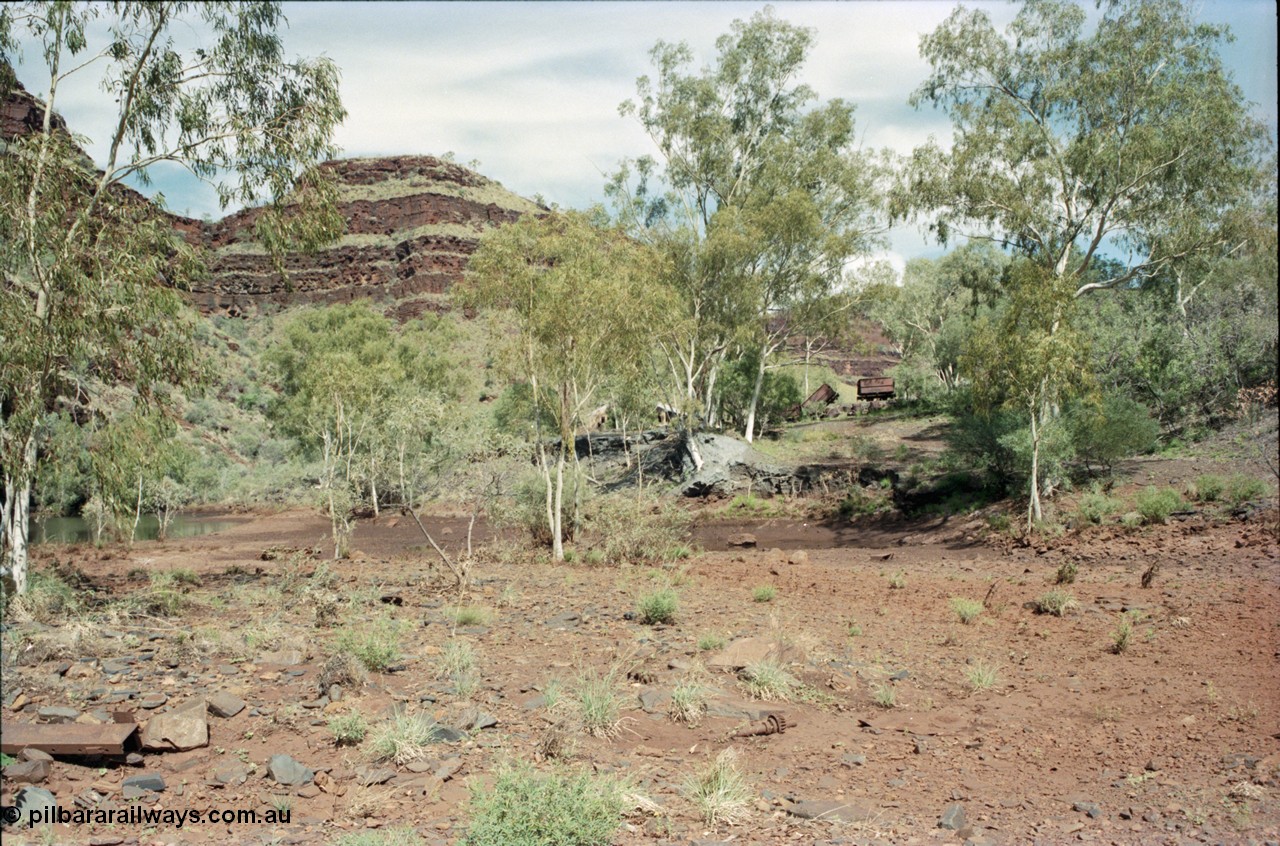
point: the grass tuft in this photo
(720, 792)
(657, 607)
(967, 610)
(1056, 603)
(528, 808)
(764, 593)
(768, 681)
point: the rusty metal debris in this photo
(69, 738)
(771, 724)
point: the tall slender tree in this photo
(89, 267)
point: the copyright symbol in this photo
(10, 814)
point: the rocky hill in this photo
(412, 222)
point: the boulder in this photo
(746, 651)
(178, 730)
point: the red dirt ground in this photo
(1177, 740)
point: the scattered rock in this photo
(34, 800)
(178, 730)
(33, 754)
(285, 770)
(746, 651)
(57, 714)
(953, 817)
(152, 701)
(135, 787)
(797, 557)
(369, 778)
(226, 705)
(231, 775)
(830, 809)
(654, 700)
(448, 769)
(28, 772)
(1090, 808)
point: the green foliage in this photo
(348, 729)
(967, 610)
(767, 680)
(528, 808)
(81, 308)
(581, 300)
(598, 703)
(1095, 506)
(403, 738)
(471, 615)
(1241, 489)
(779, 391)
(657, 607)
(710, 642)
(688, 702)
(1209, 488)
(1066, 574)
(1115, 428)
(1057, 603)
(884, 695)
(760, 198)
(627, 529)
(1156, 504)
(981, 675)
(764, 593)
(375, 644)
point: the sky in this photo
(531, 90)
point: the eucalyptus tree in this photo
(82, 256)
(581, 304)
(759, 197)
(1069, 140)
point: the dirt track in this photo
(1072, 742)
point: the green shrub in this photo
(657, 607)
(403, 739)
(884, 695)
(348, 729)
(1066, 574)
(376, 645)
(1209, 488)
(1095, 506)
(627, 530)
(470, 616)
(599, 703)
(1156, 504)
(710, 642)
(1241, 489)
(1056, 603)
(688, 703)
(768, 681)
(1115, 428)
(981, 675)
(764, 593)
(528, 808)
(967, 610)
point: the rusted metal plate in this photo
(69, 738)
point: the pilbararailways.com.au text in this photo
(136, 815)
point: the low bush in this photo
(1096, 506)
(967, 610)
(720, 793)
(1156, 504)
(1241, 489)
(528, 808)
(1209, 488)
(375, 645)
(768, 681)
(657, 607)
(1056, 603)
(764, 593)
(403, 739)
(348, 729)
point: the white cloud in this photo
(532, 89)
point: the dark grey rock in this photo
(447, 734)
(153, 700)
(448, 769)
(231, 775)
(654, 701)
(285, 770)
(140, 784)
(28, 772)
(34, 800)
(368, 778)
(953, 817)
(1090, 808)
(567, 620)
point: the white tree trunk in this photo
(1034, 514)
(17, 518)
(749, 434)
(557, 524)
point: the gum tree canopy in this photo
(1129, 136)
(1126, 136)
(82, 257)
